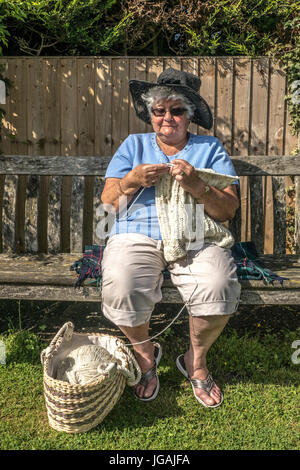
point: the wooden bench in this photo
(46, 275)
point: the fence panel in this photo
(81, 106)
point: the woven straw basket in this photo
(78, 408)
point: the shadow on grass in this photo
(45, 318)
(130, 413)
(254, 347)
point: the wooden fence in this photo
(81, 106)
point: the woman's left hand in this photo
(187, 177)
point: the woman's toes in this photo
(208, 400)
(143, 392)
(139, 390)
(215, 393)
(212, 398)
(150, 389)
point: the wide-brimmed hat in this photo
(184, 83)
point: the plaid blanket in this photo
(249, 265)
(89, 266)
(245, 255)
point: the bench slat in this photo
(170, 295)
(53, 165)
(48, 277)
(96, 166)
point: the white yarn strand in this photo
(161, 332)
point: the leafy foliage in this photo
(225, 27)
(22, 346)
(153, 27)
(67, 27)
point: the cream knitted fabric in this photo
(172, 204)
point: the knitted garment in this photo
(172, 204)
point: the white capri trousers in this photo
(132, 276)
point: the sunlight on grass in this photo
(260, 410)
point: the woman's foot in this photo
(148, 387)
(211, 398)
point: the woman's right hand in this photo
(145, 175)
(142, 175)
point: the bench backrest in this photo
(52, 203)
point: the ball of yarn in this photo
(84, 365)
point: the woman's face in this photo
(169, 127)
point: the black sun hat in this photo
(184, 83)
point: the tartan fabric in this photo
(245, 255)
(249, 266)
(89, 266)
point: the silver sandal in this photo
(205, 385)
(147, 376)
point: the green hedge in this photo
(139, 27)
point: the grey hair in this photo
(158, 93)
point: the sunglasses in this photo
(159, 112)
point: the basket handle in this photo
(133, 374)
(66, 331)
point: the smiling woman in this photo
(170, 123)
(134, 258)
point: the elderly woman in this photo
(134, 258)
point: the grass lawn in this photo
(251, 362)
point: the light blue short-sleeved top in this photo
(200, 151)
